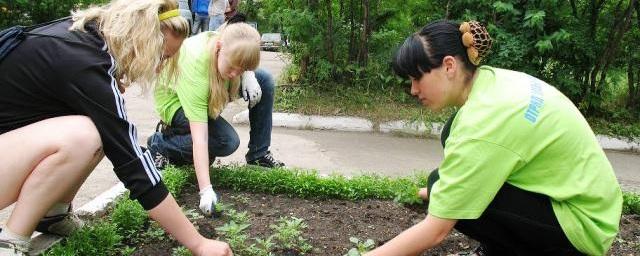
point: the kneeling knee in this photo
(83, 136)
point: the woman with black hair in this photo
(522, 173)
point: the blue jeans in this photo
(175, 142)
(215, 22)
(200, 22)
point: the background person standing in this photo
(200, 9)
(232, 9)
(216, 13)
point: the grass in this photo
(376, 105)
(394, 103)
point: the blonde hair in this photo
(132, 32)
(242, 49)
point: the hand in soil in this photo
(423, 193)
(213, 248)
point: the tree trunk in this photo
(620, 27)
(329, 42)
(364, 36)
(352, 33)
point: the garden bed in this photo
(331, 223)
(289, 212)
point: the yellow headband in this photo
(169, 14)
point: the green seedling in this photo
(361, 247)
(288, 232)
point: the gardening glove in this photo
(251, 91)
(208, 200)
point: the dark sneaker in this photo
(159, 160)
(9, 248)
(267, 161)
(478, 251)
(62, 225)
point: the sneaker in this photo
(62, 225)
(267, 161)
(10, 249)
(159, 160)
(478, 251)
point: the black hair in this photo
(239, 17)
(424, 50)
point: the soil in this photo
(332, 222)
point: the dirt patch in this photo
(332, 222)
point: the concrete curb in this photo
(354, 124)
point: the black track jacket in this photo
(71, 73)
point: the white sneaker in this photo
(10, 249)
(62, 225)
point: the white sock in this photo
(58, 209)
(18, 240)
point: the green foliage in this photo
(99, 238)
(129, 217)
(288, 233)
(361, 246)
(631, 203)
(306, 184)
(176, 178)
(27, 12)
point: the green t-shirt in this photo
(191, 89)
(517, 129)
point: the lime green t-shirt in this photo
(517, 129)
(191, 89)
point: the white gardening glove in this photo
(208, 200)
(251, 91)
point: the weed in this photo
(361, 247)
(127, 250)
(288, 233)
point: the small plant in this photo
(192, 214)
(361, 247)
(154, 232)
(235, 235)
(180, 251)
(288, 233)
(238, 217)
(262, 247)
(129, 217)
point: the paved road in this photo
(348, 153)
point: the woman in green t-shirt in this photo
(522, 172)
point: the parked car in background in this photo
(271, 42)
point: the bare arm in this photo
(422, 236)
(200, 137)
(171, 218)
